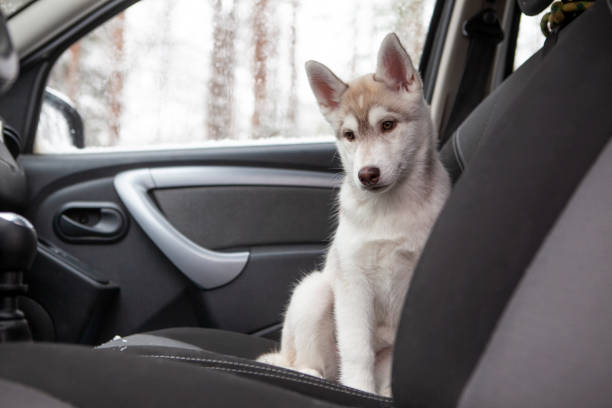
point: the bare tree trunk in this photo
(116, 80)
(220, 116)
(72, 72)
(409, 25)
(292, 103)
(165, 43)
(260, 38)
(355, 31)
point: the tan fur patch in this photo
(362, 94)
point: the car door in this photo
(210, 237)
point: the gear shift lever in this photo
(17, 250)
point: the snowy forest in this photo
(193, 72)
(171, 74)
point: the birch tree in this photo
(409, 25)
(116, 79)
(260, 40)
(220, 115)
(292, 100)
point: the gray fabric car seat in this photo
(509, 304)
(19, 395)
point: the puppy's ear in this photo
(395, 68)
(327, 87)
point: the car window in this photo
(530, 38)
(167, 74)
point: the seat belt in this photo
(484, 33)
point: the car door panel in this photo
(283, 226)
(234, 214)
(289, 215)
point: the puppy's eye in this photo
(388, 125)
(349, 135)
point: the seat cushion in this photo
(197, 338)
(13, 394)
(220, 341)
(234, 353)
(84, 377)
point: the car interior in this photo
(156, 277)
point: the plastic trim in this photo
(434, 46)
(206, 268)
(199, 176)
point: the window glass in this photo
(167, 74)
(530, 38)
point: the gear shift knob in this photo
(17, 243)
(17, 251)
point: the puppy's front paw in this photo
(310, 371)
(275, 358)
(385, 391)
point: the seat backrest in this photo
(508, 305)
(461, 146)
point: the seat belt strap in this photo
(484, 33)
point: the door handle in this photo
(90, 222)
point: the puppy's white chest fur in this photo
(379, 252)
(378, 249)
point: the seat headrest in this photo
(533, 7)
(9, 61)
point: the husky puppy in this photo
(341, 322)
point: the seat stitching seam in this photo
(300, 381)
(457, 148)
(296, 377)
(226, 362)
(300, 376)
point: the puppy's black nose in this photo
(369, 176)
